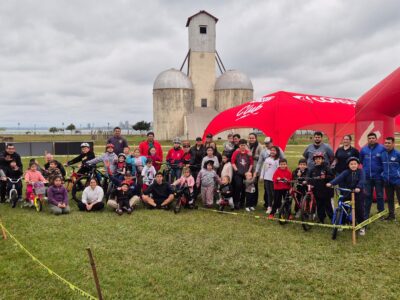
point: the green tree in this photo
(71, 127)
(141, 126)
(53, 130)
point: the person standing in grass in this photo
(255, 149)
(250, 183)
(145, 146)
(318, 146)
(118, 141)
(281, 179)
(92, 197)
(343, 153)
(371, 160)
(57, 196)
(391, 175)
(207, 179)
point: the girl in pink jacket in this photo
(32, 176)
(188, 180)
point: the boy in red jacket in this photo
(281, 179)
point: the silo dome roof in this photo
(233, 79)
(172, 79)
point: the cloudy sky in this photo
(95, 61)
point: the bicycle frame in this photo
(13, 186)
(344, 208)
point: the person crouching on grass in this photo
(353, 178)
(281, 179)
(57, 196)
(159, 194)
(122, 195)
(207, 179)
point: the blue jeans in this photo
(370, 184)
(175, 174)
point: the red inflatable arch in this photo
(377, 109)
(280, 114)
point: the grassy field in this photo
(195, 255)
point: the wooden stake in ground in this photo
(3, 230)
(96, 279)
(353, 216)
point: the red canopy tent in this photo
(280, 114)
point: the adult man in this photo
(146, 145)
(6, 157)
(159, 194)
(370, 158)
(318, 146)
(209, 140)
(390, 175)
(242, 162)
(118, 141)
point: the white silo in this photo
(172, 100)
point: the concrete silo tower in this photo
(172, 100)
(232, 88)
(201, 29)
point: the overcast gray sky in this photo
(95, 61)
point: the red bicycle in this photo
(285, 209)
(308, 208)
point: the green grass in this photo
(195, 255)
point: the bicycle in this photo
(308, 208)
(13, 193)
(82, 182)
(69, 182)
(37, 195)
(285, 209)
(342, 213)
(182, 196)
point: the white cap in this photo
(267, 140)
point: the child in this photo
(156, 159)
(134, 188)
(122, 196)
(228, 146)
(121, 165)
(281, 179)
(138, 163)
(354, 179)
(52, 172)
(188, 180)
(210, 156)
(175, 159)
(251, 196)
(186, 153)
(226, 167)
(108, 158)
(13, 172)
(31, 177)
(148, 174)
(207, 178)
(58, 197)
(319, 176)
(269, 167)
(299, 174)
(226, 194)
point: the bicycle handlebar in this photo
(14, 180)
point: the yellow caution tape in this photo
(63, 280)
(374, 218)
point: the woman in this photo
(343, 154)
(92, 197)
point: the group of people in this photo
(227, 179)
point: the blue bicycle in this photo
(342, 213)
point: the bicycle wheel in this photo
(38, 204)
(68, 184)
(337, 221)
(78, 187)
(178, 205)
(305, 213)
(284, 212)
(13, 198)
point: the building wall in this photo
(169, 108)
(225, 99)
(202, 74)
(202, 42)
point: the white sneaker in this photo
(297, 216)
(268, 210)
(252, 208)
(247, 209)
(362, 231)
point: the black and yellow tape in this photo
(51, 272)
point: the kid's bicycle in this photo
(13, 193)
(342, 213)
(82, 182)
(182, 196)
(308, 208)
(37, 195)
(285, 209)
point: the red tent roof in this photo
(280, 114)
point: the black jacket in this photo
(196, 156)
(320, 188)
(83, 157)
(5, 163)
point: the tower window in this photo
(203, 29)
(203, 102)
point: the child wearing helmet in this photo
(86, 155)
(108, 159)
(121, 165)
(353, 178)
(175, 159)
(320, 174)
